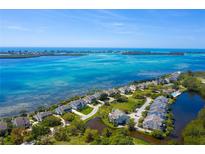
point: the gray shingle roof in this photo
(156, 113)
(153, 122)
(118, 117)
(3, 126)
(90, 98)
(116, 113)
(21, 122)
(63, 108)
(41, 115)
(78, 104)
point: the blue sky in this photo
(103, 28)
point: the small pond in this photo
(97, 124)
(185, 109)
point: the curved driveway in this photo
(138, 114)
(94, 111)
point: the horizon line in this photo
(99, 47)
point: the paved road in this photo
(126, 95)
(52, 131)
(101, 102)
(138, 114)
(94, 111)
(62, 120)
(142, 109)
(202, 80)
(78, 113)
(111, 99)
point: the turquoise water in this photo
(33, 82)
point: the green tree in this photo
(28, 136)
(17, 135)
(69, 117)
(169, 130)
(147, 108)
(131, 125)
(105, 140)
(7, 140)
(90, 135)
(103, 96)
(41, 109)
(51, 121)
(1, 141)
(158, 134)
(190, 73)
(95, 102)
(121, 137)
(39, 130)
(53, 107)
(106, 132)
(62, 134)
(144, 114)
(73, 130)
(77, 127)
(122, 99)
(194, 132)
(175, 85)
(192, 83)
(46, 140)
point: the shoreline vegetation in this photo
(29, 54)
(32, 54)
(141, 107)
(194, 131)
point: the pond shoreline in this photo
(185, 109)
(98, 124)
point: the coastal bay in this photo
(27, 84)
(102, 77)
(159, 92)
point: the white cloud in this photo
(18, 28)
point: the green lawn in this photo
(103, 113)
(78, 140)
(86, 110)
(74, 140)
(147, 92)
(129, 106)
(139, 141)
(200, 74)
(70, 117)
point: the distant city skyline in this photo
(103, 28)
